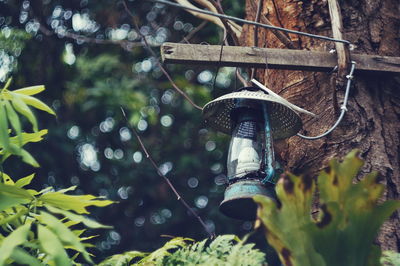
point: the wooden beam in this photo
(238, 56)
(342, 50)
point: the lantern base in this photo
(238, 200)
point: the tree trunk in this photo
(372, 123)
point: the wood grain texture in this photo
(372, 124)
(271, 58)
(342, 50)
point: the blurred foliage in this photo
(390, 258)
(90, 146)
(348, 219)
(30, 231)
(224, 250)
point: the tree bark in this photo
(372, 123)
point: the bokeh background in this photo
(91, 59)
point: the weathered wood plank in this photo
(197, 54)
(342, 51)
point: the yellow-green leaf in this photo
(16, 238)
(4, 137)
(38, 104)
(71, 188)
(73, 202)
(77, 218)
(6, 179)
(16, 192)
(24, 181)
(32, 90)
(11, 195)
(24, 258)
(28, 158)
(66, 236)
(8, 83)
(52, 246)
(11, 218)
(24, 109)
(14, 121)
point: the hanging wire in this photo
(251, 22)
(343, 107)
(220, 58)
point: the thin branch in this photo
(193, 32)
(166, 179)
(228, 27)
(280, 35)
(278, 15)
(147, 46)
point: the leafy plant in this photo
(224, 250)
(31, 232)
(390, 258)
(348, 221)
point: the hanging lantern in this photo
(254, 118)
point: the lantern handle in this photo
(269, 156)
(283, 100)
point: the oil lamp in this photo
(254, 117)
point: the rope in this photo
(251, 22)
(343, 107)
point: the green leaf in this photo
(11, 195)
(24, 258)
(6, 179)
(123, 259)
(51, 245)
(349, 217)
(16, 238)
(4, 137)
(28, 158)
(8, 202)
(390, 258)
(8, 83)
(71, 188)
(24, 181)
(73, 202)
(24, 109)
(26, 138)
(32, 101)
(32, 90)
(66, 236)
(77, 218)
(31, 137)
(14, 121)
(11, 218)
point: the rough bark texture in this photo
(372, 123)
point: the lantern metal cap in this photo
(238, 200)
(283, 115)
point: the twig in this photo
(278, 16)
(229, 28)
(166, 179)
(282, 36)
(147, 46)
(193, 32)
